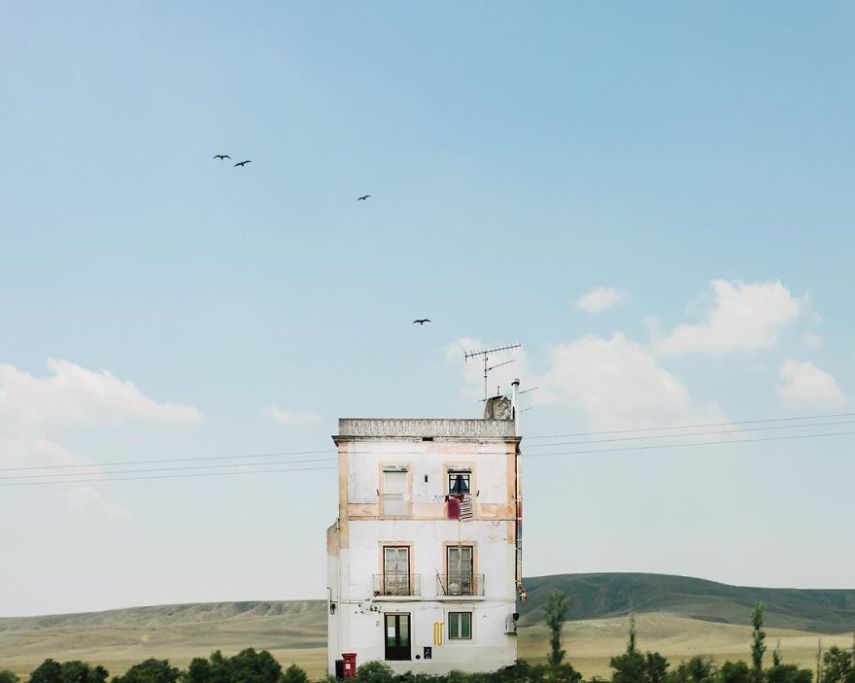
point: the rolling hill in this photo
(598, 596)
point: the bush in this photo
(294, 674)
(374, 672)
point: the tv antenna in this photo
(485, 354)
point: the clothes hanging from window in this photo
(466, 507)
(452, 507)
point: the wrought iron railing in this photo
(460, 584)
(396, 584)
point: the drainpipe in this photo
(521, 594)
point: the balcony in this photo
(396, 585)
(460, 585)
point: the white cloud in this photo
(473, 369)
(32, 408)
(743, 317)
(600, 299)
(812, 341)
(289, 418)
(806, 387)
(72, 395)
(619, 384)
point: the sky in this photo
(654, 199)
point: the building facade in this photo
(424, 560)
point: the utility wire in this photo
(275, 454)
(792, 437)
(693, 426)
(166, 476)
(279, 454)
(685, 434)
(94, 466)
(240, 460)
(690, 444)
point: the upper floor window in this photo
(459, 482)
(394, 501)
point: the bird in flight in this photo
(363, 198)
(421, 321)
(221, 156)
(243, 163)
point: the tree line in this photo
(632, 666)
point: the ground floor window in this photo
(459, 625)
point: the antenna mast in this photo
(485, 354)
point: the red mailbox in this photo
(349, 664)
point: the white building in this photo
(424, 560)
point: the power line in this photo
(240, 459)
(56, 480)
(165, 469)
(685, 434)
(247, 456)
(693, 426)
(789, 437)
(165, 476)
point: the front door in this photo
(398, 637)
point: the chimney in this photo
(515, 392)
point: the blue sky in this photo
(694, 161)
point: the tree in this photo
(634, 667)
(838, 666)
(8, 677)
(696, 670)
(734, 672)
(788, 673)
(555, 612)
(49, 671)
(150, 671)
(758, 644)
(249, 666)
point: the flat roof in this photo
(368, 427)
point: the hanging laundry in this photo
(466, 507)
(452, 507)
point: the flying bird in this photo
(363, 198)
(221, 156)
(243, 163)
(421, 321)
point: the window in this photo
(396, 570)
(394, 491)
(460, 625)
(459, 482)
(460, 570)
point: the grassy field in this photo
(295, 633)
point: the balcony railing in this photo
(454, 585)
(396, 584)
